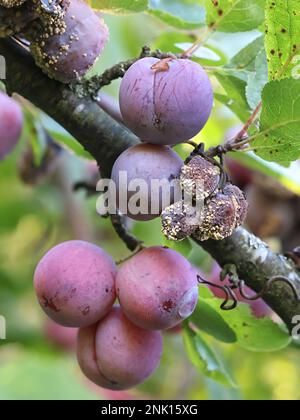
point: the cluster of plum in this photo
(66, 36)
(167, 102)
(118, 347)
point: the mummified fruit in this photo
(157, 288)
(219, 219)
(15, 20)
(179, 221)
(223, 213)
(241, 203)
(67, 44)
(165, 101)
(199, 178)
(116, 354)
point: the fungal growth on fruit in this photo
(153, 166)
(220, 218)
(200, 178)
(75, 283)
(179, 221)
(216, 211)
(15, 20)
(157, 288)
(11, 124)
(68, 39)
(117, 354)
(166, 104)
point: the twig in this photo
(118, 222)
(90, 87)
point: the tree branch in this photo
(105, 139)
(98, 133)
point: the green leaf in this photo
(282, 38)
(204, 358)
(61, 136)
(259, 335)
(185, 14)
(235, 15)
(244, 61)
(279, 136)
(234, 106)
(51, 378)
(235, 89)
(288, 177)
(37, 136)
(183, 247)
(120, 6)
(207, 319)
(257, 80)
(205, 55)
(180, 41)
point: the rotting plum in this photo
(148, 163)
(223, 213)
(200, 178)
(116, 354)
(166, 101)
(157, 288)
(179, 221)
(11, 124)
(75, 283)
(66, 48)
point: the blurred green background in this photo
(34, 363)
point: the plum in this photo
(166, 102)
(65, 48)
(200, 178)
(75, 283)
(11, 124)
(61, 337)
(157, 288)
(150, 164)
(223, 213)
(116, 354)
(179, 221)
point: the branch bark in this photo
(105, 139)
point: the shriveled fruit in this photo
(220, 218)
(180, 221)
(200, 178)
